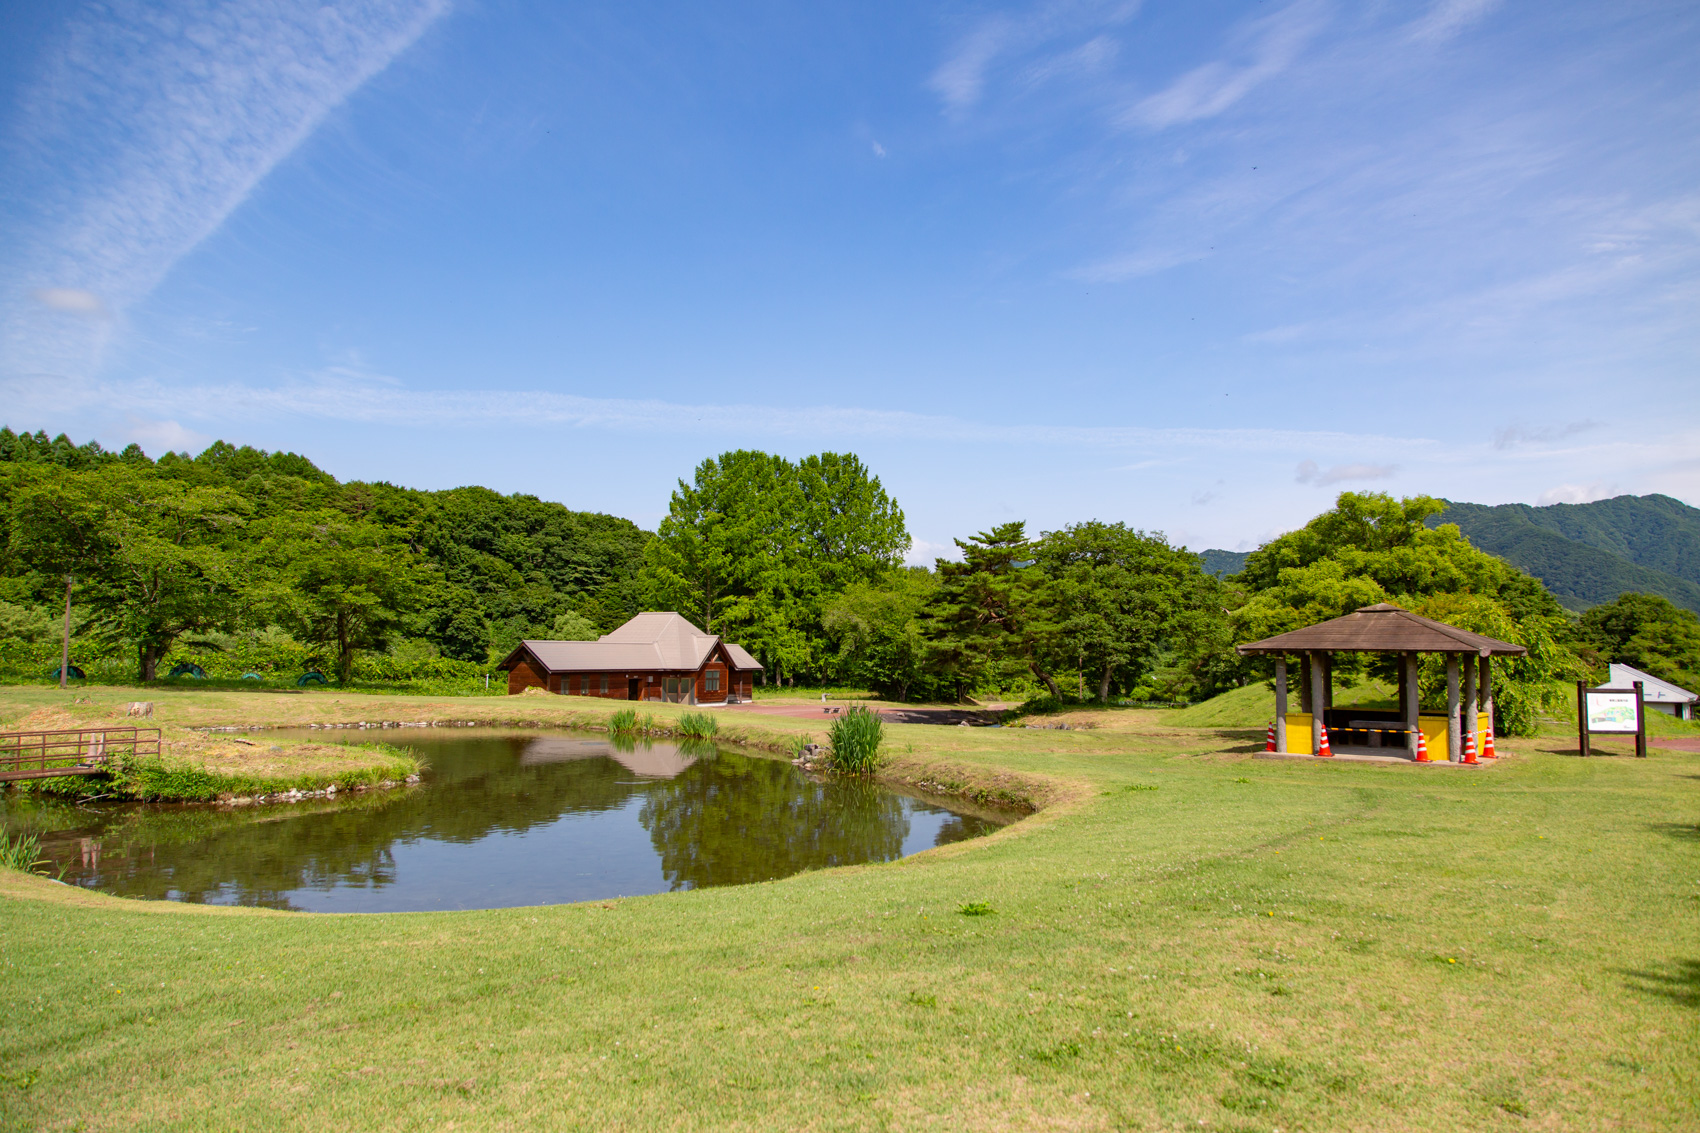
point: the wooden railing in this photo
(70, 751)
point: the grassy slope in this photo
(1254, 705)
(1253, 944)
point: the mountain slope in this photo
(1223, 563)
(1590, 553)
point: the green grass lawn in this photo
(1184, 937)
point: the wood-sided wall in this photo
(526, 674)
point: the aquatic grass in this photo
(624, 722)
(855, 741)
(20, 852)
(167, 779)
(697, 725)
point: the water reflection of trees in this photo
(257, 856)
(721, 819)
(731, 821)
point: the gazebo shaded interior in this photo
(1383, 628)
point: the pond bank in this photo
(210, 714)
(193, 766)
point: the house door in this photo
(634, 688)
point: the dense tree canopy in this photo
(1372, 548)
(756, 547)
(1649, 633)
(241, 539)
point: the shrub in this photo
(698, 725)
(855, 741)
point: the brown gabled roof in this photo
(656, 641)
(1381, 628)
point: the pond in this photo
(500, 819)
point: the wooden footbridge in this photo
(70, 751)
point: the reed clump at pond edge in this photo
(691, 726)
(855, 741)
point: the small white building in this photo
(1661, 696)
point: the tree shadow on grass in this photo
(1678, 982)
(1685, 831)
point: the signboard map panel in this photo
(1612, 712)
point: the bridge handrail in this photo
(21, 751)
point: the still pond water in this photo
(501, 819)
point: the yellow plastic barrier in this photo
(1433, 729)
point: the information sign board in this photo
(1610, 711)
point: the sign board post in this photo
(1611, 712)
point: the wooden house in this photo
(655, 656)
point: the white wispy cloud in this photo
(1051, 40)
(1578, 493)
(1257, 52)
(1308, 472)
(153, 124)
(1446, 18)
(1514, 436)
(344, 394)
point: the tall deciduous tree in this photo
(879, 628)
(350, 586)
(162, 558)
(755, 547)
(1113, 596)
(1372, 548)
(1648, 633)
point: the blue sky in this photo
(1197, 266)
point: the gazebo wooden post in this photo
(1318, 701)
(1470, 671)
(1281, 703)
(1453, 739)
(1412, 701)
(1486, 684)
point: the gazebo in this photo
(1383, 628)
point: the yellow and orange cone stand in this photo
(1470, 748)
(1269, 743)
(1422, 748)
(1487, 747)
(1326, 752)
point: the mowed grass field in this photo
(1185, 937)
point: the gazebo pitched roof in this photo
(1383, 628)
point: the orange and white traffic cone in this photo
(1422, 748)
(1487, 746)
(1470, 748)
(1269, 743)
(1326, 752)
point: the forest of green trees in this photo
(243, 563)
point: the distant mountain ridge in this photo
(1223, 563)
(1585, 554)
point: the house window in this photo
(604, 684)
(711, 680)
